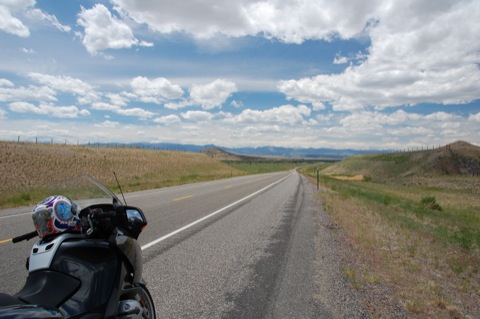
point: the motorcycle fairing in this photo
(96, 265)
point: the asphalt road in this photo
(234, 248)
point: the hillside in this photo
(223, 155)
(456, 159)
(26, 166)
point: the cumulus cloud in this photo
(47, 109)
(290, 21)
(5, 82)
(108, 124)
(213, 94)
(85, 92)
(208, 96)
(197, 116)
(62, 83)
(104, 31)
(8, 22)
(155, 91)
(285, 114)
(102, 106)
(419, 52)
(138, 112)
(30, 93)
(167, 119)
(419, 49)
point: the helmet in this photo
(56, 214)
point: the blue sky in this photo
(345, 74)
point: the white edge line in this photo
(158, 240)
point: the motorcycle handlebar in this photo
(100, 214)
(24, 237)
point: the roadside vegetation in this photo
(414, 233)
(26, 169)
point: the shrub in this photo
(367, 178)
(430, 202)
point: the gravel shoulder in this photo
(333, 295)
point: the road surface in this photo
(235, 248)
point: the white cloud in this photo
(155, 91)
(85, 92)
(318, 106)
(31, 93)
(104, 31)
(197, 116)
(5, 82)
(208, 96)
(340, 60)
(47, 109)
(118, 99)
(40, 15)
(474, 117)
(102, 106)
(213, 94)
(24, 107)
(62, 83)
(285, 114)
(237, 104)
(138, 112)
(8, 22)
(290, 21)
(28, 51)
(107, 123)
(420, 50)
(202, 19)
(168, 119)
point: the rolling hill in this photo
(459, 158)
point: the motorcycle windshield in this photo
(84, 190)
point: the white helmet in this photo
(56, 214)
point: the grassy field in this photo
(414, 240)
(27, 168)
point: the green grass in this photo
(264, 166)
(417, 209)
(421, 241)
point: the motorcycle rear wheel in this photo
(137, 304)
(146, 300)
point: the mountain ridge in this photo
(274, 151)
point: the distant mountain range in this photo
(271, 151)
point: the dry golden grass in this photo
(348, 178)
(26, 167)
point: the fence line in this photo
(65, 142)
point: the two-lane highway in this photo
(211, 250)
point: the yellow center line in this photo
(182, 198)
(229, 186)
(5, 241)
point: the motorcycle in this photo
(92, 273)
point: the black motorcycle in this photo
(93, 274)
